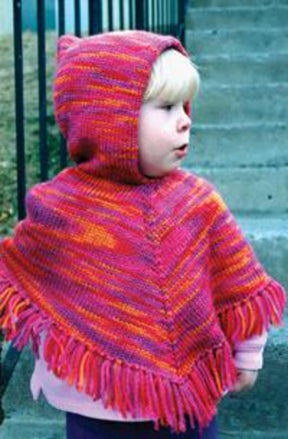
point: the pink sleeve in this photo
(248, 354)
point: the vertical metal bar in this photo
(172, 16)
(168, 2)
(61, 17)
(110, 14)
(42, 89)
(181, 20)
(166, 17)
(139, 14)
(158, 3)
(13, 355)
(77, 18)
(155, 15)
(145, 12)
(61, 31)
(121, 8)
(95, 17)
(175, 15)
(152, 15)
(19, 105)
(162, 17)
(131, 14)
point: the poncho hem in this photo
(131, 388)
(253, 314)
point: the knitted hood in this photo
(99, 88)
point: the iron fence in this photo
(162, 16)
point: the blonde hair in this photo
(173, 78)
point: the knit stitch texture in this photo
(142, 286)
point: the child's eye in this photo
(167, 107)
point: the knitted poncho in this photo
(141, 285)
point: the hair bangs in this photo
(174, 78)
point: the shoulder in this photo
(45, 188)
(203, 191)
(195, 196)
(44, 198)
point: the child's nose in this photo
(184, 122)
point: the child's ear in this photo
(66, 43)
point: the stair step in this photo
(238, 145)
(242, 69)
(251, 190)
(260, 413)
(269, 238)
(27, 426)
(18, 393)
(231, 17)
(235, 3)
(227, 104)
(240, 41)
(274, 434)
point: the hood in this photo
(98, 91)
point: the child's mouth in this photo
(182, 150)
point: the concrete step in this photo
(252, 189)
(18, 394)
(235, 3)
(226, 104)
(237, 41)
(235, 17)
(241, 145)
(261, 412)
(269, 238)
(236, 69)
(27, 426)
(272, 434)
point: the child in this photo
(141, 297)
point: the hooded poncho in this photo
(141, 286)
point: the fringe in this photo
(255, 314)
(166, 400)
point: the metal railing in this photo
(162, 16)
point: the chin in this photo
(158, 173)
(168, 171)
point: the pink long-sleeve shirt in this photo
(58, 393)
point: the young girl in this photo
(142, 299)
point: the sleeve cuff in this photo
(249, 353)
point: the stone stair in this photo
(239, 141)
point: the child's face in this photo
(163, 137)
